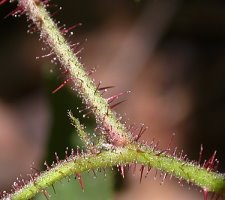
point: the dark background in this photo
(171, 55)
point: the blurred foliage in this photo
(95, 188)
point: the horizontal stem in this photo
(121, 156)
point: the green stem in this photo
(49, 32)
(84, 137)
(121, 156)
(124, 150)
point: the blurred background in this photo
(170, 54)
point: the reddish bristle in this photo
(122, 171)
(105, 88)
(163, 178)
(46, 194)
(205, 193)
(61, 86)
(112, 98)
(66, 30)
(47, 55)
(77, 48)
(142, 169)
(141, 132)
(16, 11)
(210, 164)
(116, 104)
(149, 169)
(80, 180)
(91, 71)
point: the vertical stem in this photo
(115, 131)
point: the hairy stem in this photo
(125, 150)
(131, 154)
(49, 32)
(84, 137)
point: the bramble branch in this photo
(120, 148)
(121, 156)
(114, 130)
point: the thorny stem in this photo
(115, 131)
(125, 150)
(131, 154)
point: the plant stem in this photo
(116, 132)
(121, 156)
(84, 137)
(125, 150)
